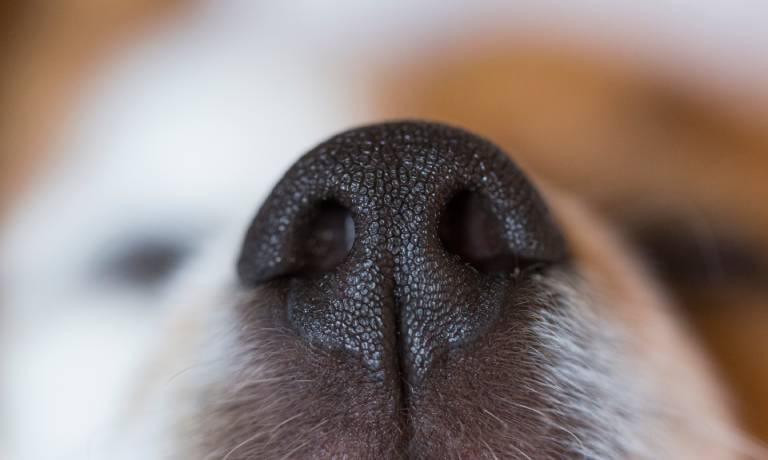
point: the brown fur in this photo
(506, 396)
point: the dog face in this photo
(405, 292)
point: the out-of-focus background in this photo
(134, 132)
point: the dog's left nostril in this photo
(469, 228)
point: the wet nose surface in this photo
(398, 243)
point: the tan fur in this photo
(639, 142)
(661, 337)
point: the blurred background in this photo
(134, 133)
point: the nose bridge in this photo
(396, 202)
(418, 262)
(398, 298)
(428, 298)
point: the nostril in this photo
(325, 238)
(469, 229)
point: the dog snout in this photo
(398, 243)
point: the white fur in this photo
(602, 374)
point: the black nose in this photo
(398, 242)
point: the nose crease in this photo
(399, 300)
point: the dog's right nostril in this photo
(325, 237)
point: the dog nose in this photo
(398, 243)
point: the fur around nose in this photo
(381, 254)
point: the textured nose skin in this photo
(399, 297)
